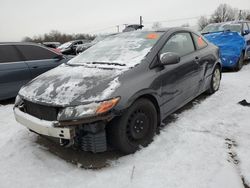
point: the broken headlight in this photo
(87, 110)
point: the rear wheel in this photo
(215, 81)
(135, 128)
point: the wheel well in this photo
(244, 53)
(155, 103)
(219, 65)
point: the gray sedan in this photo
(21, 62)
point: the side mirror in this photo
(169, 58)
(59, 57)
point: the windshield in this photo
(222, 27)
(65, 45)
(126, 49)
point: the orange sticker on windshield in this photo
(152, 36)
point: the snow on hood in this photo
(72, 85)
(231, 44)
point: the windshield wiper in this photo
(107, 63)
(204, 33)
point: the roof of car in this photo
(233, 22)
(16, 43)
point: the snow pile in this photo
(190, 152)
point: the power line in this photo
(103, 29)
(148, 22)
(173, 20)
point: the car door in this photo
(14, 72)
(38, 59)
(180, 82)
(246, 33)
(204, 59)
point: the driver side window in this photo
(180, 43)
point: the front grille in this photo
(40, 111)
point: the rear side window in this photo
(199, 42)
(31, 52)
(180, 43)
(8, 53)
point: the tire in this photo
(240, 63)
(135, 128)
(215, 81)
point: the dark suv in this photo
(21, 62)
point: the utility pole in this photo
(140, 20)
(240, 15)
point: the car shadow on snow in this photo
(81, 159)
(90, 160)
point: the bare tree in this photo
(27, 39)
(223, 13)
(248, 17)
(56, 36)
(203, 22)
(156, 25)
(244, 14)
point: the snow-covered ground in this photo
(207, 146)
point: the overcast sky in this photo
(20, 18)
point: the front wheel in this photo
(135, 128)
(215, 81)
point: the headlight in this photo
(18, 100)
(82, 111)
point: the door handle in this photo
(35, 67)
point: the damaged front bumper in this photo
(88, 134)
(43, 127)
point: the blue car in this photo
(233, 39)
(21, 62)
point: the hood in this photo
(72, 85)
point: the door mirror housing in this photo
(59, 57)
(169, 58)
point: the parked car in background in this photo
(233, 39)
(52, 44)
(85, 46)
(69, 48)
(21, 62)
(119, 90)
(132, 27)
